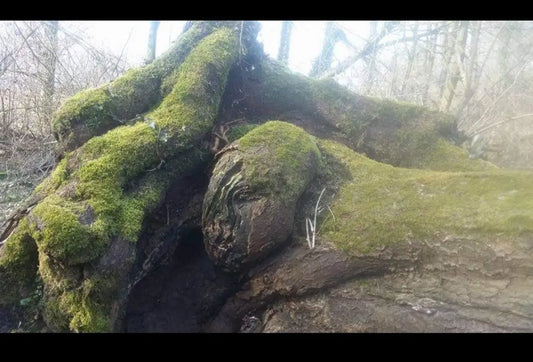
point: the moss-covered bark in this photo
(391, 172)
(250, 203)
(397, 226)
(99, 195)
(379, 205)
(398, 134)
(92, 112)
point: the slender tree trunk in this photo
(285, 41)
(324, 60)
(371, 59)
(152, 41)
(471, 77)
(50, 63)
(394, 78)
(428, 65)
(410, 60)
(446, 57)
(454, 72)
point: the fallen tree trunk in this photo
(202, 159)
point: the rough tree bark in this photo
(206, 192)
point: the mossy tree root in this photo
(93, 112)
(251, 200)
(399, 134)
(94, 203)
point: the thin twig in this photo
(332, 214)
(312, 225)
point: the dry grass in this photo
(24, 162)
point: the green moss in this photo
(59, 233)
(89, 308)
(92, 107)
(426, 149)
(168, 63)
(239, 131)
(102, 191)
(110, 163)
(397, 133)
(283, 89)
(75, 310)
(443, 156)
(135, 91)
(188, 111)
(380, 205)
(278, 159)
(56, 275)
(55, 180)
(55, 310)
(18, 265)
(93, 112)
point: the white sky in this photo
(307, 38)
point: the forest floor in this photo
(13, 192)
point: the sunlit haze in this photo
(131, 37)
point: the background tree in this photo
(285, 41)
(152, 42)
(42, 63)
(476, 70)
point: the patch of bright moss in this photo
(89, 306)
(59, 233)
(92, 107)
(425, 149)
(188, 111)
(75, 310)
(443, 156)
(279, 158)
(381, 205)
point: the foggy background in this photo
(479, 71)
